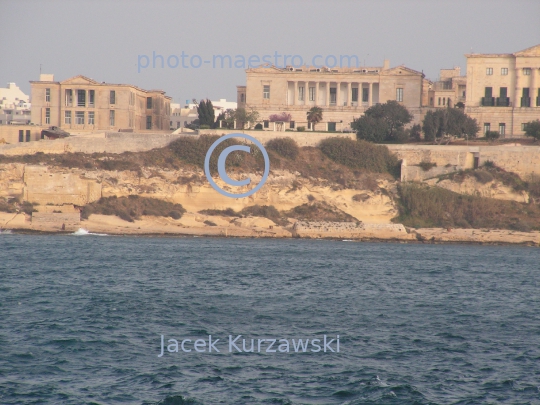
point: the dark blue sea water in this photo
(81, 319)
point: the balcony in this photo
(487, 101)
(525, 101)
(503, 101)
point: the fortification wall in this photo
(302, 138)
(523, 160)
(321, 229)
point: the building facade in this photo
(343, 93)
(80, 104)
(449, 90)
(503, 90)
(14, 105)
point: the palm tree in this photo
(314, 115)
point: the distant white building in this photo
(14, 105)
(180, 117)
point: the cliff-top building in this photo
(342, 93)
(503, 90)
(80, 104)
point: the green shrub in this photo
(483, 176)
(210, 223)
(286, 147)
(204, 126)
(258, 126)
(492, 135)
(361, 155)
(301, 129)
(229, 212)
(132, 207)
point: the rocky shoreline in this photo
(193, 225)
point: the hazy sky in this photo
(103, 39)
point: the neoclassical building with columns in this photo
(342, 93)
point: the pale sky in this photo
(104, 40)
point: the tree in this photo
(314, 116)
(220, 117)
(206, 113)
(442, 124)
(382, 122)
(532, 129)
(242, 117)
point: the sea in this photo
(82, 318)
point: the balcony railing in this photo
(488, 101)
(503, 101)
(525, 101)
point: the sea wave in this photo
(84, 232)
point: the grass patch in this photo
(422, 206)
(426, 166)
(133, 207)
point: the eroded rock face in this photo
(284, 190)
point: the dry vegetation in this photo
(424, 207)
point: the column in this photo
(327, 101)
(370, 94)
(349, 94)
(296, 83)
(317, 93)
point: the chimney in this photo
(386, 65)
(45, 77)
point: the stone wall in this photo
(56, 221)
(11, 133)
(523, 160)
(348, 230)
(307, 138)
(44, 186)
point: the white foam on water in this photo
(83, 232)
(5, 232)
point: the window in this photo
(504, 71)
(21, 135)
(47, 95)
(489, 71)
(523, 126)
(444, 101)
(91, 98)
(399, 94)
(81, 98)
(266, 92)
(47, 115)
(502, 128)
(69, 97)
(333, 92)
(91, 118)
(148, 103)
(67, 117)
(332, 126)
(242, 97)
(312, 94)
(291, 125)
(111, 118)
(27, 135)
(112, 97)
(431, 101)
(266, 124)
(439, 101)
(487, 127)
(79, 117)
(177, 124)
(365, 95)
(354, 95)
(148, 122)
(527, 71)
(301, 93)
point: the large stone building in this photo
(342, 93)
(503, 90)
(80, 104)
(14, 105)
